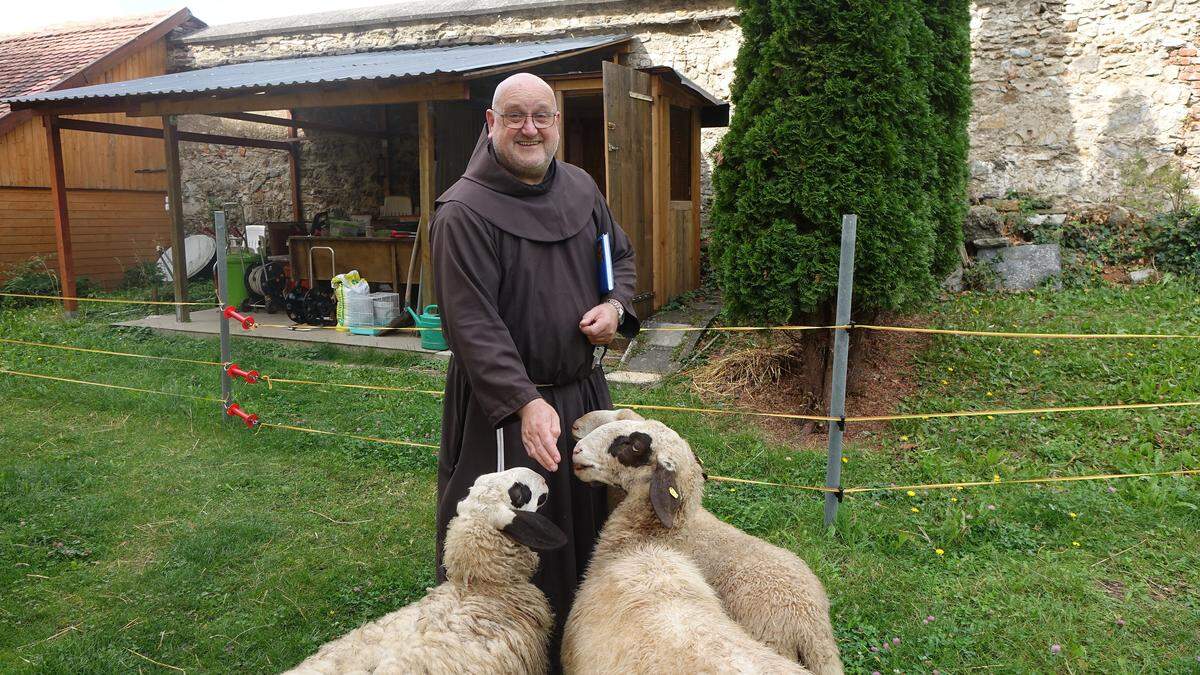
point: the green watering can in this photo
(430, 324)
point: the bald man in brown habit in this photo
(514, 248)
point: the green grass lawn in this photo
(137, 529)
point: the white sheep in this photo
(486, 617)
(645, 607)
(769, 591)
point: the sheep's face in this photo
(508, 500)
(630, 453)
(597, 418)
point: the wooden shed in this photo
(115, 186)
(636, 131)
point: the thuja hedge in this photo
(841, 107)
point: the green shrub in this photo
(1176, 242)
(35, 276)
(950, 99)
(837, 111)
(142, 275)
(1150, 190)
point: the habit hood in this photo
(553, 210)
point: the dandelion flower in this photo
(845, 460)
(911, 493)
(990, 394)
(1075, 544)
(1037, 352)
(945, 382)
(954, 499)
(904, 439)
(939, 551)
(995, 478)
(950, 370)
(915, 510)
(991, 417)
(1073, 515)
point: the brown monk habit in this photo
(515, 268)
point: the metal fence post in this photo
(221, 274)
(841, 353)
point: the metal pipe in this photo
(841, 353)
(222, 275)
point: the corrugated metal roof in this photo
(382, 65)
(361, 18)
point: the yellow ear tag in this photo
(673, 492)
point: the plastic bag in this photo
(354, 307)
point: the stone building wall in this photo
(1064, 91)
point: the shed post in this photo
(425, 165)
(294, 172)
(175, 206)
(62, 220)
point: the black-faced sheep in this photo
(486, 617)
(769, 591)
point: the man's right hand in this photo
(539, 432)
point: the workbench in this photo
(377, 259)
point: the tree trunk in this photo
(861, 367)
(814, 352)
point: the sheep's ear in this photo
(664, 495)
(535, 531)
(631, 450)
(627, 414)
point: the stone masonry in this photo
(1064, 91)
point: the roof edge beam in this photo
(302, 124)
(358, 93)
(154, 132)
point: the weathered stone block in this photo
(982, 221)
(990, 242)
(1143, 276)
(1023, 268)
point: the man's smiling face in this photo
(526, 151)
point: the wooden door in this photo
(627, 125)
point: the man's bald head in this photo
(526, 84)
(527, 148)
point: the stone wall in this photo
(1064, 91)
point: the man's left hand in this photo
(600, 324)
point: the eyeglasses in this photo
(516, 120)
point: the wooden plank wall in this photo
(97, 161)
(117, 214)
(111, 230)
(676, 253)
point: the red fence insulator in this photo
(232, 313)
(249, 376)
(234, 410)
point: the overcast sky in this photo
(22, 15)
